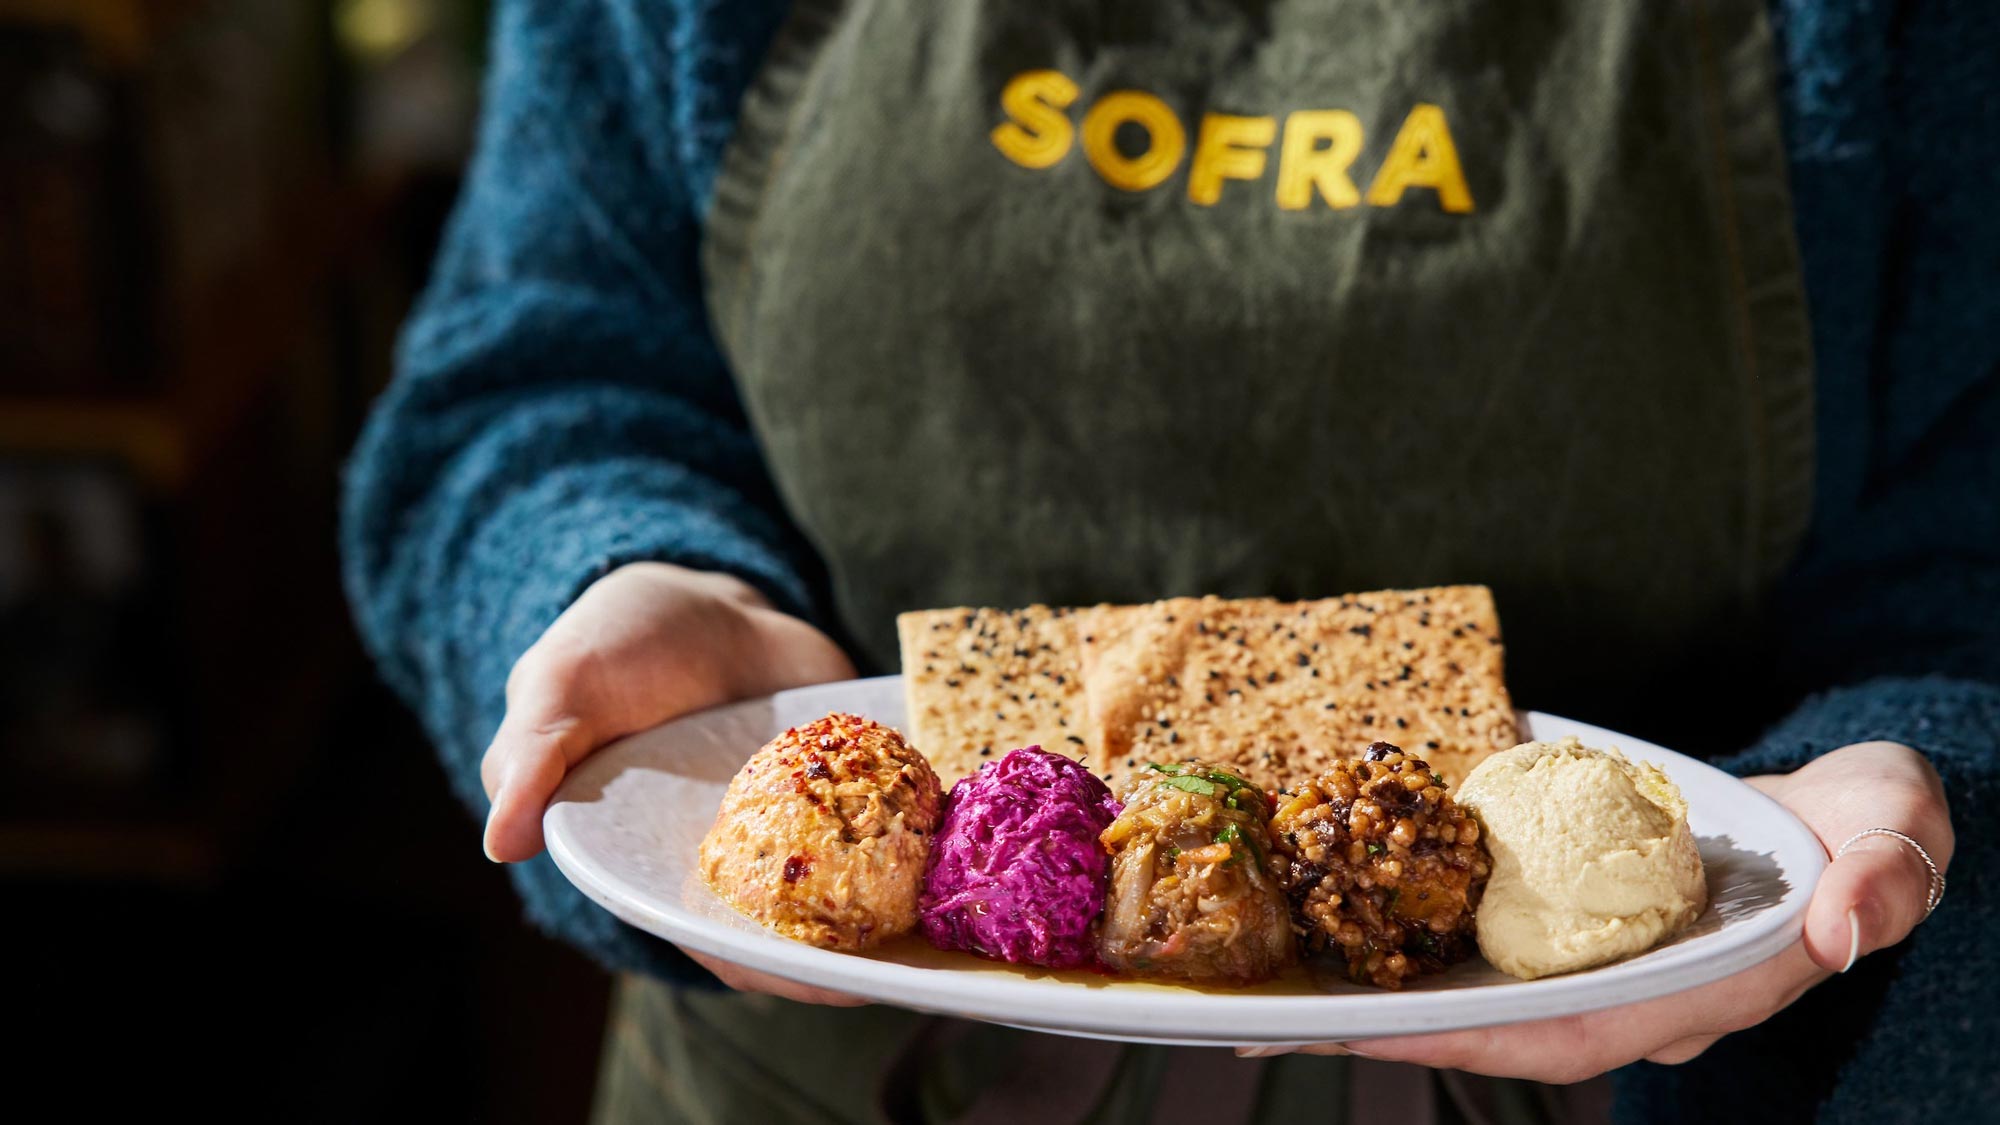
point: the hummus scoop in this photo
(1593, 859)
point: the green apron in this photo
(1071, 302)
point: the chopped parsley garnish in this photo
(1189, 784)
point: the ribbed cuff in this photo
(1955, 723)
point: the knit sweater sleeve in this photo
(1891, 619)
(1898, 617)
(559, 406)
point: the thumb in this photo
(543, 733)
(1875, 891)
(523, 767)
(1870, 898)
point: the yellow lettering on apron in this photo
(1229, 148)
(1422, 156)
(1303, 164)
(1167, 140)
(1039, 133)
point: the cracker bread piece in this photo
(1277, 690)
(980, 682)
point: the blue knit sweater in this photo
(561, 408)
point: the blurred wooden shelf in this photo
(226, 351)
(148, 437)
(200, 835)
(171, 852)
(119, 29)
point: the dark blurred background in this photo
(242, 879)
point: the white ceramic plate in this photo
(627, 824)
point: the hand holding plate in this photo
(1869, 899)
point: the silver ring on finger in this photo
(1936, 893)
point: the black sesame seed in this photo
(1076, 740)
(1304, 660)
(1362, 630)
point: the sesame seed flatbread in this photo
(1278, 690)
(980, 682)
(1275, 690)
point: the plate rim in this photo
(1252, 1019)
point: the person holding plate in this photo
(759, 323)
